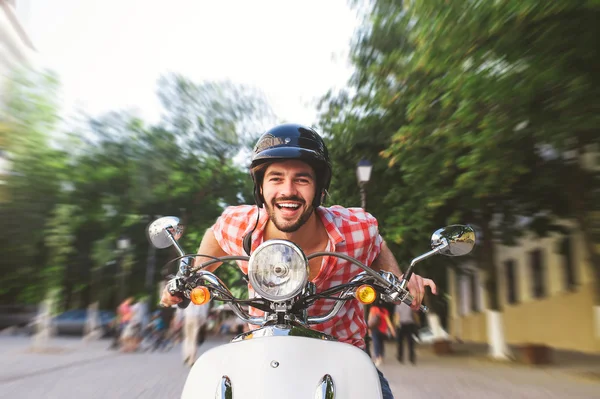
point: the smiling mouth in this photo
(287, 206)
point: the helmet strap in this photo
(247, 239)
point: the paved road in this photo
(477, 378)
(90, 371)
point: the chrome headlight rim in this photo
(252, 263)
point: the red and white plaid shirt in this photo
(351, 231)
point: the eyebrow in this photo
(299, 174)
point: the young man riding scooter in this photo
(291, 171)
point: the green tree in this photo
(73, 194)
(33, 183)
(217, 119)
(519, 77)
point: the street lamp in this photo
(122, 243)
(363, 175)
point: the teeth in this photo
(294, 206)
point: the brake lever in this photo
(408, 299)
(176, 285)
(400, 295)
(176, 288)
(398, 292)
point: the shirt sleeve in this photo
(372, 236)
(230, 227)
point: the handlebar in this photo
(177, 286)
(394, 290)
(389, 280)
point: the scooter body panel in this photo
(283, 367)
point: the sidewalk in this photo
(561, 360)
(469, 373)
(564, 363)
(19, 359)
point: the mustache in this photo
(274, 201)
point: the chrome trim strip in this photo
(326, 388)
(224, 390)
(279, 330)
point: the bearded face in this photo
(288, 190)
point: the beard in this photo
(287, 226)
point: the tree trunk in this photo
(487, 259)
(498, 348)
(68, 289)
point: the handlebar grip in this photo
(174, 290)
(184, 303)
(409, 300)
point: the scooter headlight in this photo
(278, 270)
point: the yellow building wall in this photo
(474, 328)
(562, 319)
(562, 322)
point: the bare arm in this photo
(209, 246)
(386, 261)
(416, 286)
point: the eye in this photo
(303, 181)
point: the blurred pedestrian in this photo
(380, 325)
(121, 321)
(132, 332)
(193, 318)
(407, 325)
(154, 333)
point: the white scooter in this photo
(283, 357)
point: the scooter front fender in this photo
(283, 367)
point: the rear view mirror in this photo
(460, 240)
(158, 231)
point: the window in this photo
(511, 282)
(566, 250)
(537, 274)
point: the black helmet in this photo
(293, 141)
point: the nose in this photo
(287, 188)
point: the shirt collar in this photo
(335, 236)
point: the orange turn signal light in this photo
(366, 294)
(200, 295)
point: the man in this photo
(406, 327)
(291, 171)
(193, 318)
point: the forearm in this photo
(386, 261)
(209, 246)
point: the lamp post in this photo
(122, 246)
(363, 175)
(151, 265)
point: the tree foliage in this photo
(72, 195)
(475, 108)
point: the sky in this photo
(110, 53)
